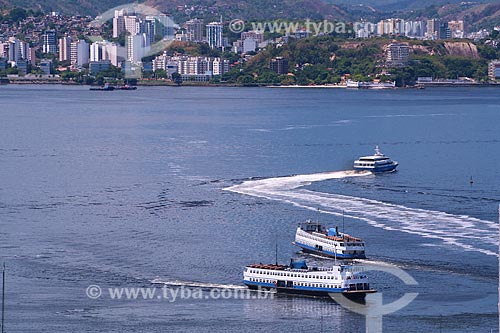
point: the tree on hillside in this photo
(17, 14)
(488, 52)
(177, 78)
(246, 80)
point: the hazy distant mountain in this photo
(485, 15)
(480, 13)
(260, 9)
(79, 7)
(395, 5)
(230, 9)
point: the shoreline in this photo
(311, 87)
(235, 85)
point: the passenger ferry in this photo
(376, 163)
(105, 87)
(315, 238)
(298, 278)
(370, 85)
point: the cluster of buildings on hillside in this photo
(23, 42)
(196, 31)
(33, 27)
(140, 32)
(191, 68)
(17, 53)
(422, 29)
(398, 54)
(250, 41)
(79, 44)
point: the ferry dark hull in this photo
(102, 89)
(385, 168)
(352, 295)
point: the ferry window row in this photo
(317, 285)
(261, 280)
(323, 240)
(333, 243)
(301, 284)
(319, 277)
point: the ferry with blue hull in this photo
(375, 163)
(298, 278)
(313, 237)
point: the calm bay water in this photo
(120, 189)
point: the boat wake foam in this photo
(192, 284)
(465, 232)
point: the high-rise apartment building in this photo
(279, 65)
(49, 42)
(397, 54)
(137, 47)
(494, 70)
(133, 25)
(433, 29)
(214, 34)
(65, 48)
(457, 29)
(165, 26)
(194, 29)
(104, 50)
(80, 53)
(118, 26)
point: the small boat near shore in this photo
(370, 85)
(105, 87)
(299, 278)
(375, 163)
(313, 237)
(127, 87)
(108, 87)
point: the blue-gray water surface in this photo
(123, 189)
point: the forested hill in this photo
(476, 14)
(397, 5)
(243, 9)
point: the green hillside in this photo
(255, 9)
(260, 9)
(475, 14)
(396, 5)
(81, 7)
(325, 59)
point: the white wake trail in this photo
(468, 233)
(193, 284)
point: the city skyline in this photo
(131, 40)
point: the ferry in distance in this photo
(298, 278)
(313, 237)
(371, 85)
(127, 87)
(375, 163)
(108, 87)
(105, 87)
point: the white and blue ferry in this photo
(298, 278)
(375, 163)
(313, 237)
